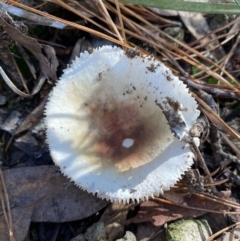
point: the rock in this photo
(96, 232)
(129, 236)
(80, 237)
(188, 230)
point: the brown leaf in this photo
(66, 202)
(158, 213)
(6, 59)
(21, 217)
(32, 118)
(43, 53)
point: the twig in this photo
(215, 118)
(203, 165)
(200, 129)
(230, 175)
(230, 53)
(213, 90)
(222, 231)
(220, 156)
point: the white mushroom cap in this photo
(106, 128)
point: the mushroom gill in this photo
(107, 127)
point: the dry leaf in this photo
(159, 213)
(198, 26)
(32, 118)
(66, 202)
(21, 221)
(43, 53)
(43, 194)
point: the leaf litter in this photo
(31, 189)
(42, 194)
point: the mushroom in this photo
(108, 124)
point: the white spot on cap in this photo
(127, 142)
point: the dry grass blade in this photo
(182, 53)
(74, 25)
(136, 31)
(120, 20)
(11, 85)
(71, 9)
(14, 88)
(231, 52)
(231, 144)
(216, 183)
(109, 20)
(6, 208)
(193, 208)
(215, 235)
(218, 200)
(231, 34)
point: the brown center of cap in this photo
(112, 120)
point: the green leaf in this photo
(238, 2)
(200, 7)
(211, 80)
